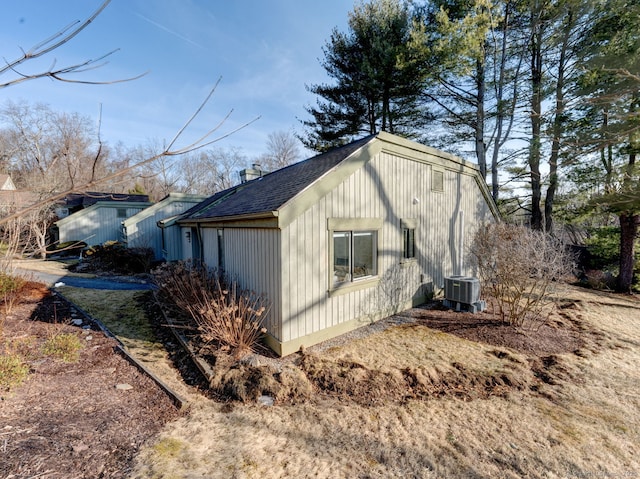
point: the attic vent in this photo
(437, 180)
(463, 293)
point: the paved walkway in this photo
(55, 272)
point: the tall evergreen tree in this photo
(610, 121)
(379, 68)
(480, 61)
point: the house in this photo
(344, 238)
(98, 223)
(141, 229)
(12, 199)
(74, 202)
(6, 183)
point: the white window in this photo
(354, 255)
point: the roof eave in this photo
(232, 218)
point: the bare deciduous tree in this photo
(282, 150)
(213, 170)
(47, 151)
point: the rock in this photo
(265, 401)
(77, 322)
(89, 338)
(124, 387)
(252, 360)
(80, 447)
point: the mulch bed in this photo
(70, 420)
(554, 336)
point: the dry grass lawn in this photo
(583, 421)
(587, 425)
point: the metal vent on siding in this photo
(437, 180)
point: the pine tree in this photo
(379, 68)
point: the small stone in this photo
(124, 387)
(77, 322)
(80, 447)
(89, 338)
(252, 360)
(265, 401)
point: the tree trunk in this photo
(536, 122)
(628, 232)
(481, 152)
(558, 125)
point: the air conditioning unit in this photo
(463, 293)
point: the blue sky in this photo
(266, 51)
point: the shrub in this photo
(64, 346)
(519, 268)
(13, 371)
(116, 257)
(11, 287)
(223, 313)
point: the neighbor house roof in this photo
(153, 209)
(84, 200)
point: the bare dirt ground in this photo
(85, 419)
(428, 393)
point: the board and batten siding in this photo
(390, 188)
(96, 224)
(142, 229)
(251, 257)
(172, 250)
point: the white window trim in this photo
(353, 225)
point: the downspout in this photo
(461, 244)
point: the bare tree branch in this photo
(168, 151)
(55, 41)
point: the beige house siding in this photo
(389, 188)
(250, 259)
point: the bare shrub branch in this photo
(223, 313)
(52, 43)
(520, 268)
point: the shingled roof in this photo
(273, 190)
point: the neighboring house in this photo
(100, 222)
(344, 238)
(74, 202)
(15, 200)
(6, 183)
(141, 229)
(11, 199)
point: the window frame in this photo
(351, 226)
(408, 227)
